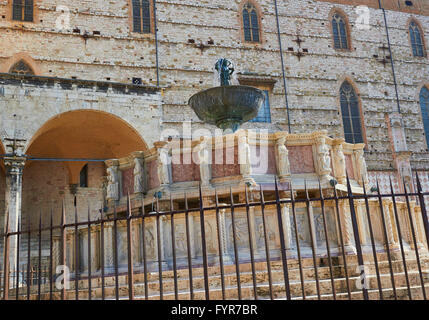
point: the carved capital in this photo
(14, 165)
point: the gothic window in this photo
(21, 68)
(416, 37)
(424, 105)
(22, 10)
(351, 114)
(141, 16)
(250, 23)
(264, 114)
(339, 30)
(83, 178)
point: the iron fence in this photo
(335, 245)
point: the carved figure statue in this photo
(113, 183)
(244, 156)
(282, 158)
(138, 175)
(324, 157)
(340, 163)
(204, 159)
(163, 162)
(225, 69)
(361, 164)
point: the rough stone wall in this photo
(313, 81)
(46, 184)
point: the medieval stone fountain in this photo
(227, 106)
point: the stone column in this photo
(163, 163)
(139, 176)
(362, 171)
(286, 226)
(13, 197)
(108, 247)
(223, 236)
(390, 232)
(347, 227)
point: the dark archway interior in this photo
(83, 134)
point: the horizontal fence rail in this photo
(257, 244)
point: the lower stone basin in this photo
(227, 107)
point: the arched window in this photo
(141, 16)
(339, 31)
(424, 105)
(250, 23)
(416, 37)
(22, 10)
(351, 114)
(83, 177)
(21, 68)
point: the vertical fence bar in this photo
(386, 240)
(63, 248)
(188, 248)
(312, 240)
(220, 245)
(146, 293)
(356, 235)
(298, 247)
(398, 226)
(158, 244)
(252, 258)
(103, 293)
(6, 265)
(89, 255)
(17, 263)
(51, 256)
(325, 229)
(237, 261)
(413, 233)
(267, 244)
(115, 251)
(76, 251)
(374, 251)
(130, 250)
(204, 247)
(423, 208)
(28, 257)
(282, 243)
(173, 248)
(39, 267)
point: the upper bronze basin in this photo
(227, 107)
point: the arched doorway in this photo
(81, 134)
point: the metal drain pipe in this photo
(391, 56)
(283, 65)
(155, 24)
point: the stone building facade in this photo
(95, 89)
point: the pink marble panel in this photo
(184, 171)
(263, 160)
(128, 181)
(152, 171)
(349, 166)
(226, 164)
(301, 159)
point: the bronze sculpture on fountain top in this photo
(227, 106)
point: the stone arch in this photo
(79, 134)
(21, 57)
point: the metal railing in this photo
(294, 247)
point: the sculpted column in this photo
(139, 183)
(13, 196)
(163, 163)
